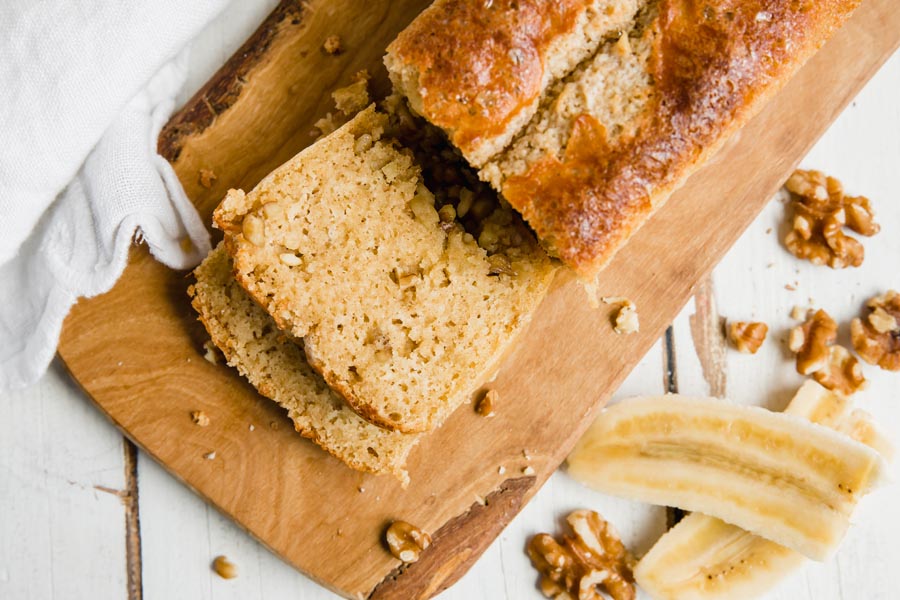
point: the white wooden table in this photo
(83, 514)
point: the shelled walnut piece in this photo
(224, 568)
(821, 211)
(877, 337)
(584, 566)
(406, 541)
(811, 341)
(832, 366)
(747, 337)
(842, 373)
(626, 318)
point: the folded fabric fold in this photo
(76, 239)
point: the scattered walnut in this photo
(528, 470)
(747, 337)
(406, 541)
(224, 568)
(821, 211)
(485, 406)
(332, 45)
(199, 418)
(207, 177)
(877, 337)
(592, 562)
(626, 318)
(811, 342)
(842, 373)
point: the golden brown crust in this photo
(714, 65)
(476, 89)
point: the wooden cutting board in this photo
(137, 350)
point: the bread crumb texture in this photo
(277, 368)
(403, 314)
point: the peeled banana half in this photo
(773, 474)
(704, 558)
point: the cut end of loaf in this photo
(277, 368)
(401, 308)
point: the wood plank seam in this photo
(670, 385)
(670, 364)
(132, 523)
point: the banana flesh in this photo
(704, 558)
(775, 475)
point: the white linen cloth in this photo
(85, 88)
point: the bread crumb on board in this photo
(333, 45)
(207, 177)
(199, 418)
(405, 541)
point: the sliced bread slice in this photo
(277, 368)
(399, 308)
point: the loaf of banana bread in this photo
(612, 138)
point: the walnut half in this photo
(843, 372)
(626, 317)
(406, 541)
(821, 212)
(877, 337)
(747, 337)
(832, 366)
(584, 566)
(811, 341)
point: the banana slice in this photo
(860, 426)
(773, 474)
(704, 558)
(819, 405)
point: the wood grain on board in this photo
(137, 350)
